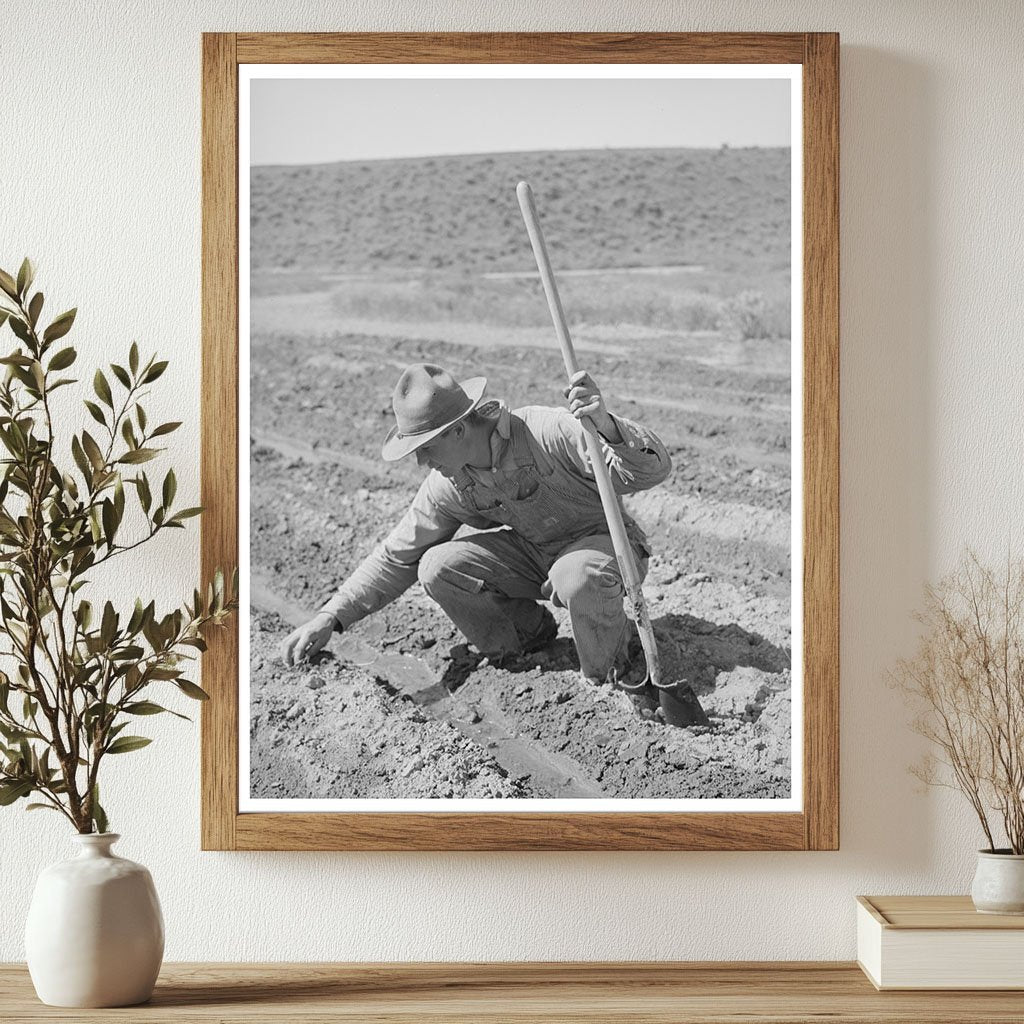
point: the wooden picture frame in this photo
(816, 826)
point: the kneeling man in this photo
(523, 477)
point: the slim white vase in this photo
(95, 933)
(999, 883)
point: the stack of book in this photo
(938, 942)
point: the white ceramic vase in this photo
(999, 882)
(95, 933)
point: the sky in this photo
(304, 121)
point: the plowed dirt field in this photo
(400, 707)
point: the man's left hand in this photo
(585, 400)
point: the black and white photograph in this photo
(518, 469)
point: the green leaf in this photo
(147, 707)
(92, 449)
(155, 371)
(14, 790)
(8, 284)
(41, 807)
(96, 711)
(10, 442)
(26, 274)
(143, 707)
(16, 359)
(139, 455)
(20, 328)
(191, 690)
(165, 428)
(109, 521)
(95, 412)
(63, 359)
(140, 415)
(84, 614)
(99, 816)
(163, 673)
(135, 622)
(60, 326)
(102, 388)
(108, 627)
(34, 308)
(12, 733)
(185, 513)
(170, 488)
(80, 459)
(128, 433)
(133, 358)
(145, 498)
(121, 374)
(130, 653)
(119, 499)
(125, 744)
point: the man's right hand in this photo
(301, 644)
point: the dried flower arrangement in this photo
(967, 678)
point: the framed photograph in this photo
(521, 422)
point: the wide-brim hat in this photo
(427, 400)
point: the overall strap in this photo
(526, 451)
(462, 482)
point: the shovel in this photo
(678, 701)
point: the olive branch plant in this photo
(967, 681)
(81, 673)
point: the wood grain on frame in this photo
(491, 831)
(821, 441)
(219, 430)
(817, 827)
(521, 48)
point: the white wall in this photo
(100, 182)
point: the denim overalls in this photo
(556, 546)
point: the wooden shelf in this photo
(660, 993)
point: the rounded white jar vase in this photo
(999, 882)
(95, 933)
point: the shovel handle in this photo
(609, 499)
(547, 278)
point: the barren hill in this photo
(726, 209)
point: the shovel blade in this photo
(681, 706)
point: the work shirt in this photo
(540, 484)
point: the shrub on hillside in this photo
(749, 316)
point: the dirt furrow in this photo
(483, 722)
(293, 448)
(721, 410)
